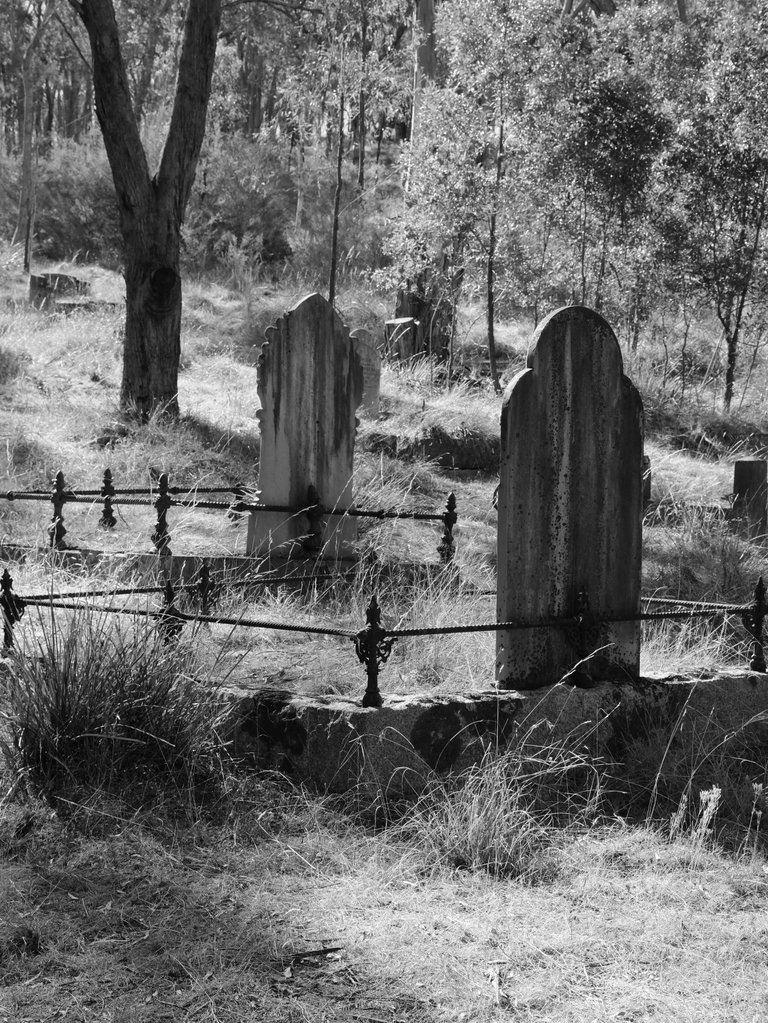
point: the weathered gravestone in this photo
(403, 339)
(310, 384)
(570, 507)
(750, 487)
(44, 289)
(370, 360)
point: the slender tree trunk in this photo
(26, 211)
(424, 68)
(29, 72)
(361, 101)
(491, 282)
(337, 201)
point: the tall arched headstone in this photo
(310, 384)
(570, 506)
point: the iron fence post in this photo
(59, 496)
(753, 618)
(205, 586)
(170, 621)
(314, 513)
(447, 548)
(584, 636)
(107, 520)
(161, 537)
(236, 508)
(12, 608)
(373, 647)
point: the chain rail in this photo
(166, 498)
(373, 643)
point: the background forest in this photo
(493, 151)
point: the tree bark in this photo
(337, 200)
(29, 73)
(26, 212)
(151, 208)
(361, 111)
(424, 69)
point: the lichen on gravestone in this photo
(310, 384)
(570, 507)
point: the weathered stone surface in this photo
(370, 360)
(310, 385)
(44, 289)
(403, 338)
(570, 505)
(750, 487)
(337, 745)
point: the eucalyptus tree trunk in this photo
(151, 207)
(424, 68)
(336, 203)
(26, 212)
(30, 67)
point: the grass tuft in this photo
(100, 706)
(506, 814)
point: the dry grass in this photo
(486, 902)
(60, 384)
(147, 918)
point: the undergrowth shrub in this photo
(505, 814)
(669, 766)
(242, 203)
(76, 213)
(96, 704)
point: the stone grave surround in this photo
(570, 505)
(310, 384)
(370, 360)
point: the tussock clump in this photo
(95, 705)
(506, 814)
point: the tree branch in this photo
(193, 88)
(72, 39)
(114, 110)
(283, 6)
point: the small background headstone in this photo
(310, 385)
(371, 363)
(570, 504)
(750, 488)
(44, 289)
(403, 339)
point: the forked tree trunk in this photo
(152, 209)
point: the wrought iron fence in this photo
(373, 643)
(167, 497)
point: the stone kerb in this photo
(570, 506)
(310, 383)
(370, 360)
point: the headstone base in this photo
(273, 535)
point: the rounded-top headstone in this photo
(570, 506)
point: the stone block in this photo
(336, 745)
(370, 360)
(403, 339)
